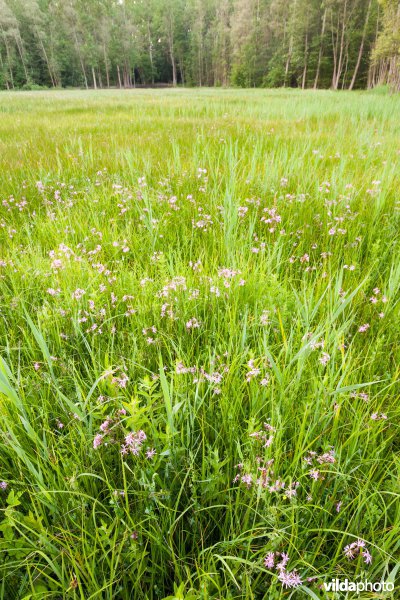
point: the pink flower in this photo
(3, 485)
(269, 560)
(269, 427)
(98, 440)
(56, 264)
(285, 559)
(358, 548)
(192, 324)
(290, 579)
(349, 551)
(133, 442)
(53, 292)
(121, 381)
(247, 479)
(150, 453)
(367, 557)
(268, 441)
(377, 417)
(324, 359)
(78, 293)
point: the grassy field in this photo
(199, 341)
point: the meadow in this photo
(199, 344)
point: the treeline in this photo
(339, 44)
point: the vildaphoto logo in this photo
(338, 585)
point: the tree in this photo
(386, 54)
(124, 43)
(221, 47)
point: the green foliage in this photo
(386, 54)
(245, 43)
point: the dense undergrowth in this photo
(199, 316)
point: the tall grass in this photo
(218, 270)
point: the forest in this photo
(337, 44)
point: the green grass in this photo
(106, 192)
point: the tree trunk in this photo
(335, 50)
(119, 77)
(174, 77)
(18, 41)
(394, 74)
(341, 51)
(320, 51)
(106, 66)
(181, 70)
(290, 48)
(8, 59)
(127, 74)
(345, 68)
(53, 79)
(150, 52)
(94, 79)
(81, 60)
(2, 67)
(171, 51)
(373, 66)
(289, 57)
(172, 56)
(304, 78)
(361, 50)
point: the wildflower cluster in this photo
(279, 561)
(313, 459)
(358, 548)
(113, 431)
(260, 473)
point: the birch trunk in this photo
(361, 50)
(320, 51)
